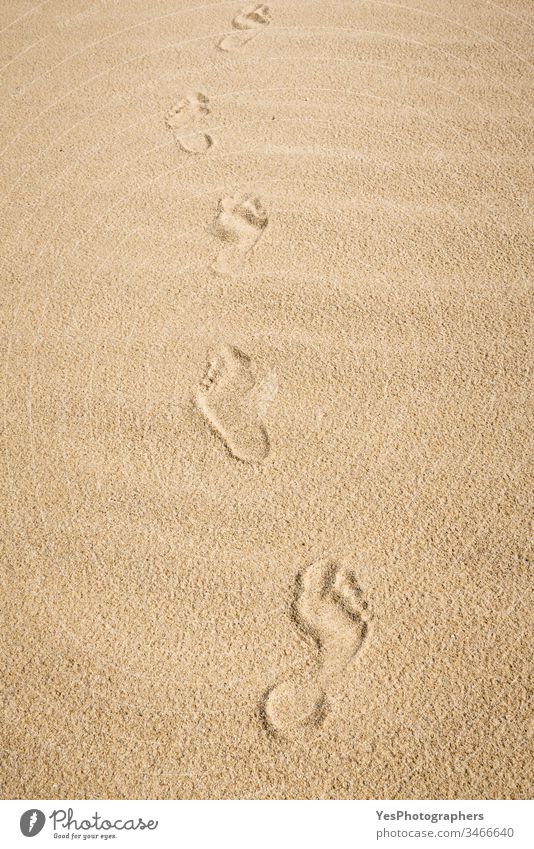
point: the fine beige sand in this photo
(267, 446)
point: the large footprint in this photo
(181, 119)
(331, 607)
(239, 224)
(248, 23)
(234, 403)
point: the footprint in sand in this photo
(248, 24)
(234, 403)
(331, 607)
(181, 119)
(240, 223)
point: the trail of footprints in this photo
(329, 606)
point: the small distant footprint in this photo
(248, 23)
(240, 223)
(181, 119)
(330, 606)
(234, 403)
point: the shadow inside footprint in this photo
(231, 403)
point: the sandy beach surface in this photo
(266, 465)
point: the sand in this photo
(267, 452)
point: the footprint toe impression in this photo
(195, 142)
(190, 108)
(331, 607)
(233, 404)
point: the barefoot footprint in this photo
(240, 223)
(181, 119)
(330, 606)
(248, 23)
(233, 402)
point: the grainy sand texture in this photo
(266, 414)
